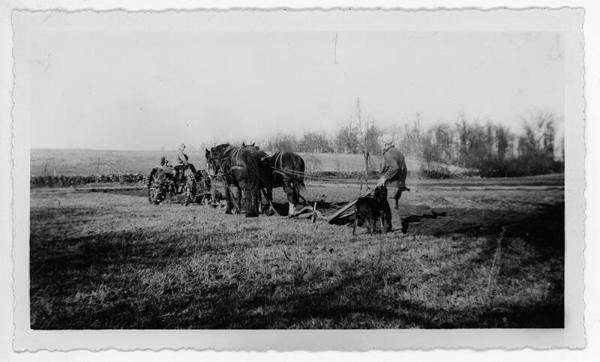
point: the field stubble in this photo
(109, 260)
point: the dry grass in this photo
(104, 260)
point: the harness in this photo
(226, 161)
(279, 158)
(225, 167)
(278, 169)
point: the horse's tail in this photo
(298, 178)
(251, 159)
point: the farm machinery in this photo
(167, 180)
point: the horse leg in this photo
(263, 204)
(228, 199)
(251, 202)
(370, 226)
(255, 201)
(290, 192)
(238, 209)
(266, 204)
(269, 195)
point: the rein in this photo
(284, 172)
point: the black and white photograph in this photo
(243, 170)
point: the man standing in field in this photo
(394, 168)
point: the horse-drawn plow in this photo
(285, 170)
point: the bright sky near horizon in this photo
(121, 88)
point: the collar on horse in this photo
(279, 159)
(226, 160)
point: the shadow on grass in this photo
(62, 268)
(360, 302)
(545, 228)
(351, 302)
(140, 247)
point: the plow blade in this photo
(345, 211)
(342, 213)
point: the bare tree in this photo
(282, 142)
(314, 142)
(368, 135)
(347, 139)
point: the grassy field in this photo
(56, 162)
(493, 258)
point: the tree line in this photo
(489, 147)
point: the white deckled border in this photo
(567, 21)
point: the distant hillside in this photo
(95, 162)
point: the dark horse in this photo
(283, 169)
(239, 167)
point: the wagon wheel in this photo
(155, 190)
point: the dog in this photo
(372, 210)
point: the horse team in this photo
(255, 174)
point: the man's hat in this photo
(386, 139)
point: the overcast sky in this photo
(115, 87)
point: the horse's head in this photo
(253, 145)
(262, 155)
(213, 158)
(212, 162)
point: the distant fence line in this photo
(38, 181)
(136, 178)
(61, 181)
